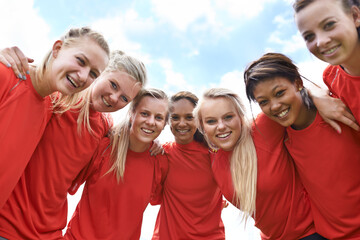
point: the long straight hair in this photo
(243, 160)
(120, 134)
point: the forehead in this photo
(152, 104)
(317, 11)
(215, 107)
(182, 106)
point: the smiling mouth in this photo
(330, 51)
(105, 102)
(148, 131)
(223, 135)
(182, 130)
(72, 81)
(283, 113)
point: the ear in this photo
(56, 48)
(299, 84)
(356, 15)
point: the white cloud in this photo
(23, 27)
(240, 9)
(183, 13)
(295, 43)
(313, 70)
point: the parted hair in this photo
(243, 160)
(120, 134)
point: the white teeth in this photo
(223, 135)
(72, 81)
(147, 130)
(283, 113)
(330, 51)
(182, 131)
(106, 103)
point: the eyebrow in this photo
(272, 90)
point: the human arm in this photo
(156, 148)
(332, 109)
(13, 57)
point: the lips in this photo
(330, 51)
(72, 81)
(223, 135)
(105, 102)
(283, 113)
(182, 130)
(147, 131)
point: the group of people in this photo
(294, 169)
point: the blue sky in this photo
(186, 45)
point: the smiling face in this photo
(221, 122)
(147, 122)
(281, 101)
(329, 32)
(75, 67)
(182, 123)
(113, 91)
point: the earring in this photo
(300, 88)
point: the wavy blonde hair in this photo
(243, 160)
(119, 61)
(120, 134)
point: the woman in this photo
(65, 151)
(71, 66)
(327, 162)
(120, 186)
(331, 30)
(191, 201)
(253, 169)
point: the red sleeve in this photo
(102, 152)
(7, 81)
(161, 170)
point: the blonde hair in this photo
(119, 61)
(120, 134)
(243, 160)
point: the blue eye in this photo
(211, 121)
(93, 74)
(113, 85)
(124, 99)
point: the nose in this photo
(113, 99)
(322, 40)
(182, 122)
(221, 125)
(84, 76)
(275, 106)
(150, 120)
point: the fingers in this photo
(13, 57)
(334, 125)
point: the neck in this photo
(41, 86)
(352, 66)
(305, 118)
(137, 146)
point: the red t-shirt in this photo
(328, 164)
(344, 86)
(23, 118)
(37, 208)
(282, 208)
(191, 201)
(112, 210)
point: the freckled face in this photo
(113, 91)
(221, 122)
(182, 123)
(330, 32)
(280, 100)
(148, 120)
